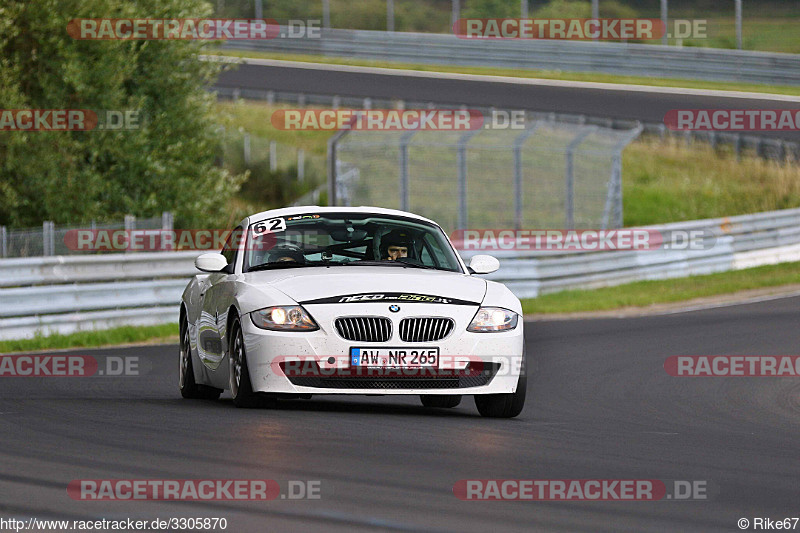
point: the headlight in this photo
(490, 319)
(284, 318)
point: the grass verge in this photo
(645, 293)
(514, 73)
(94, 338)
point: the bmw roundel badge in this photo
(394, 308)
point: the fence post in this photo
(48, 239)
(166, 221)
(523, 8)
(461, 158)
(738, 145)
(664, 21)
(273, 156)
(404, 196)
(3, 242)
(455, 14)
(301, 164)
(332, 157)
(389, 15)
(246, 143)
(326, 13)
(518, 142)
(569, 204)
(738, 24)
(614, 189)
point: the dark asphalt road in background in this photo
(617, 104)
(599, 406)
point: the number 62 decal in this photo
(269, 226)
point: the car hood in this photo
(330, 285)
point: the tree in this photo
(71, 177)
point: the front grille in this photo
(364, 328)
(425, 329)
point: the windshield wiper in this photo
(396, 262)
(278, 265)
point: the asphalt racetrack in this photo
(600, 406)
(647, 105)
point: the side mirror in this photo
(483, 264)
(213, 262)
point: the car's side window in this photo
(438, 258)
(232, 245)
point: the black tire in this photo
(504, 405)
(241, 386)
(188, 387)
(444, 401)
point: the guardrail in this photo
(741, 242)
(612, 58)
(67, 294)
(64, 294)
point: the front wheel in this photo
(504, 405)
(241, 386)
(445, 401)
(189, 388)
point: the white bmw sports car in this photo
(349, 300)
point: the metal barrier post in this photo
(47, 240)
(166, 220)
(332, 142)
(301, 164)
(461, 158)
(3, 242)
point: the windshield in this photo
(347, 238)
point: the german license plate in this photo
(394, 357)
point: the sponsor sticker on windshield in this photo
(272, 225)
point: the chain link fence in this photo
(50, 239)
(548, 175)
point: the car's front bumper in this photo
(494, 359)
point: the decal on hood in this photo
(389, 297)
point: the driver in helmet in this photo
(285, 253)
(395, 244)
